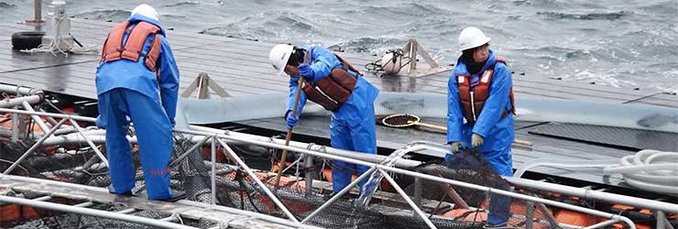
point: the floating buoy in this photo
(392, 62)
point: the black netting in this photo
(237, 190)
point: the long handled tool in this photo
(281, 165)
(408, 120)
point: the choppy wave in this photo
(369, 44)
(625, 44)
(183, 4)
(105, 15)
(585, 16)
(7, 5)
(288, 26)
(668, 8)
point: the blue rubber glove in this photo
(290, 120)
(306, 71)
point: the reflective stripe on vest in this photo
(473, 99)
(132, 49)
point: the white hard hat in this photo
(391, 63)
(472, 37)
(279, 56)
(146, 10)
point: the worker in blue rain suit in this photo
(338, 87)
(480, 111)
(138, 78)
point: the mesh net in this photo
(236, 189)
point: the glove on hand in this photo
(454, 146)
(476, 140)
(290, 120)
(306, 71)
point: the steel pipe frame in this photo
(407, 199)
(191, 203)
(199, 130)
(35, 118)
(92, 212)
(53, 115)
(19, 100)
(188, 152)
(426, 176)
(408, 147)
(202, 139)
(19, 90)
(596, 195)
(350, 160)
(338, 195)
(89, 142)
(261, 184)
(33, 147)
(213, 179)
(391, 159)
(603, 224)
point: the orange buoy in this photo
(13, 213)
(576, 218)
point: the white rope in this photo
(61, 43)
(651, 170)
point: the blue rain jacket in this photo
(498, 131)
(352, 126)
(128, 89)
(134, 75)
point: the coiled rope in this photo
(651, 170)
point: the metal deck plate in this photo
(626, 138)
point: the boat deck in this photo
(241, 67)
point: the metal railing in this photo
(215, 137)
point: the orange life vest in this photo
(472, 101)
(114, 48)
(332, 91)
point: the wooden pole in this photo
(281, 165)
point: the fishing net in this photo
(470, 166)
(236, 189)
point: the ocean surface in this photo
(623, 43)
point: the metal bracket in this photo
(202, 84)
(413, 49)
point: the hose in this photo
(651, 170)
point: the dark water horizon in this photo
(627, 44)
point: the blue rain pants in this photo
(360, 137)
(154, 136)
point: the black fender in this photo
(27, 39)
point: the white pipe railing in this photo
(250, 173)
(19, 90)
(92, 212)
(595, 195)
(35, 118)
(227, 135)
(267, 142)
(93, 189)
(32, 99)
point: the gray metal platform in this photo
(222, 216)
(241, 67)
